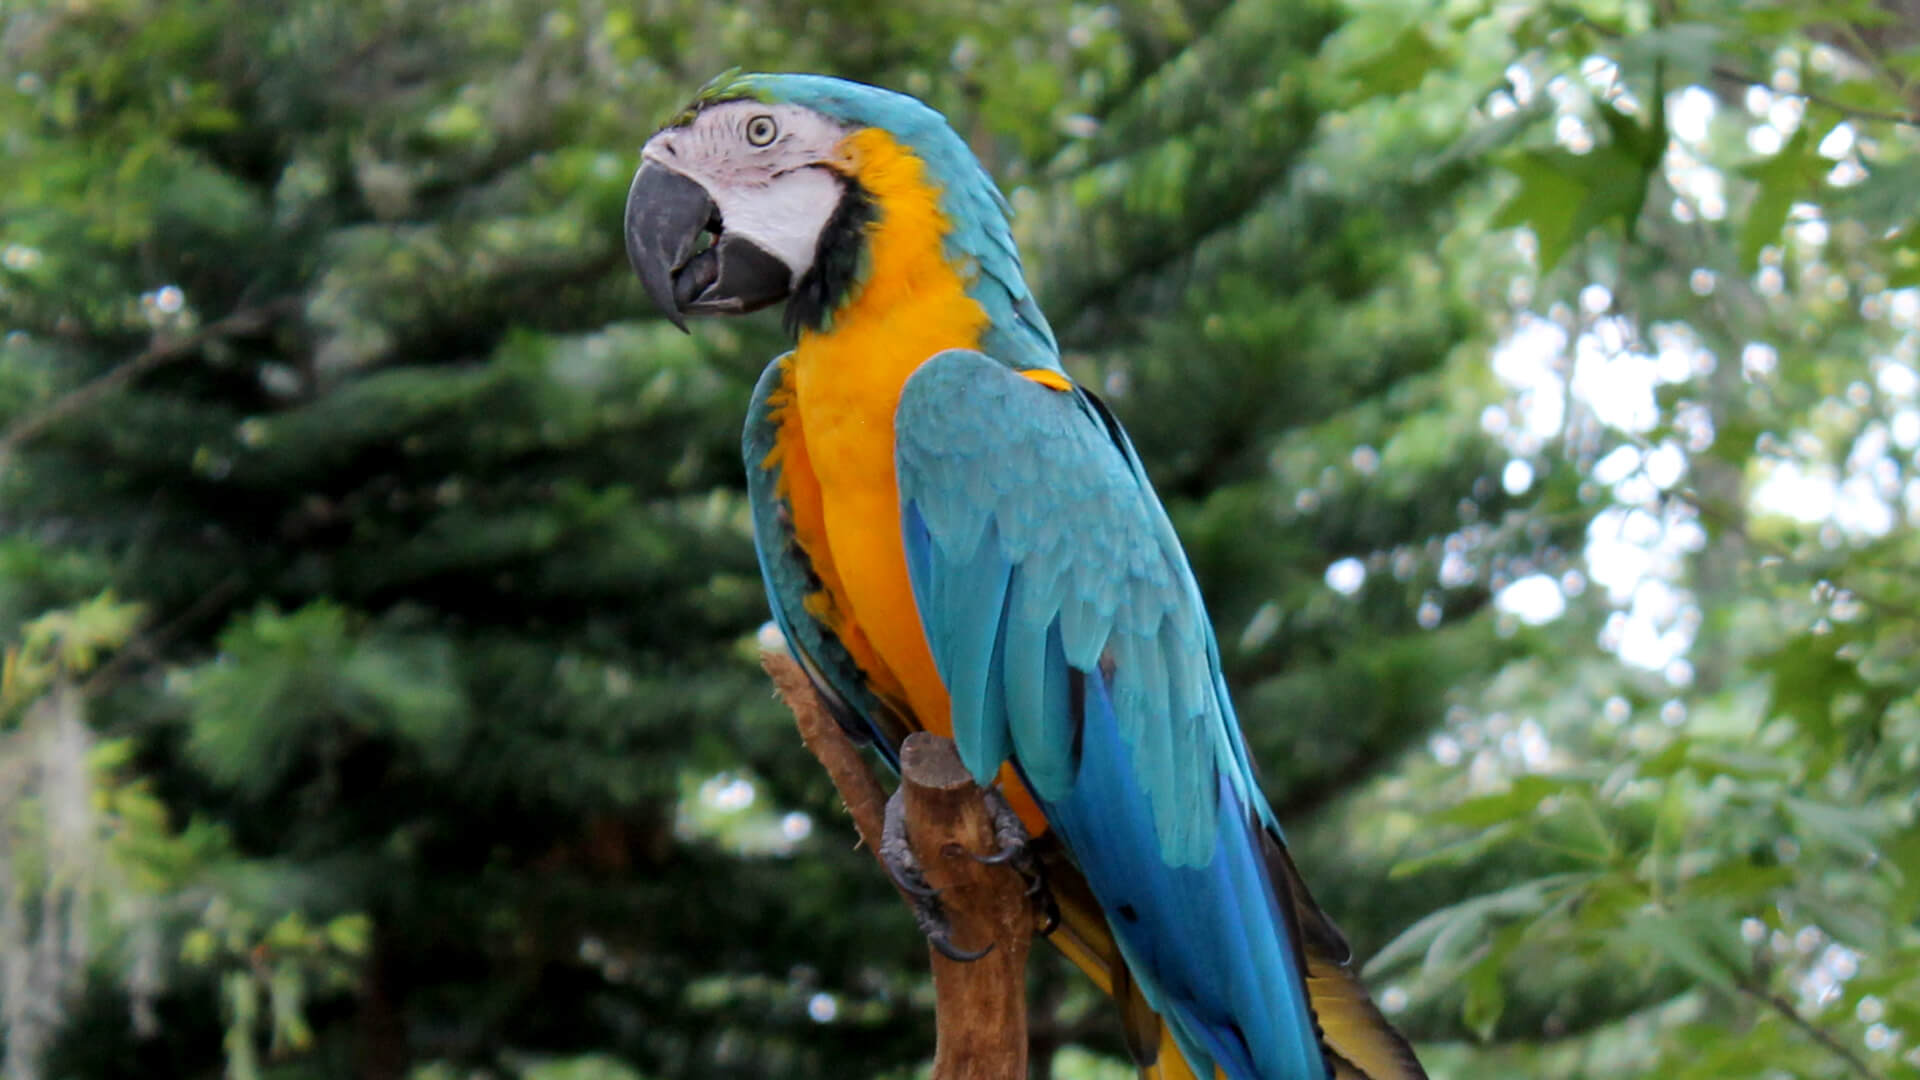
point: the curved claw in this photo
(1052, 920)
(1016, 851)
(1000, 858)
(909, 881)
(945, 946)
(896, 853)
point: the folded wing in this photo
(1071, 636)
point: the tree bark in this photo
(381, 1051)
(980, 1005)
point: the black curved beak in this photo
(667, 214)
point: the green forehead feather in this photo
(730, 85)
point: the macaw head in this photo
(754, 194)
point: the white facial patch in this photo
(779, 195)
(785, 217)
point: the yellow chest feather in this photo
(846, 385)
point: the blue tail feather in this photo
(1208, 943)
(970, 647)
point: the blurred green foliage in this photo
(1534, 387)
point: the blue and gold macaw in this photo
(958, 538)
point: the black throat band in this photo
(837, 262)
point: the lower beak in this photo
(666, 215)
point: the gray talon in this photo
(910, 881)
(1016, 851)
(939, 940)
(1050, 911)
(1015, 845)
(897, 855)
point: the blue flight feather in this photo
(1107, 682)
(1046, 459)
(1210, 938)
(969, 643)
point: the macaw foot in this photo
(1016, 851)
(896, 854)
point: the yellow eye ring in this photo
(761, 130)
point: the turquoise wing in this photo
(1066, 623)
(790, 579)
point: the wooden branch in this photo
(148, 644)
(164, 350)
(980, 1006)
(1812, 1030)
(866, 800)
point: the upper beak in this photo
(666, 214)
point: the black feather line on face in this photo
(837, 262)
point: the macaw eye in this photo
(761, 130)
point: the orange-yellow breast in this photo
(844, 386)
